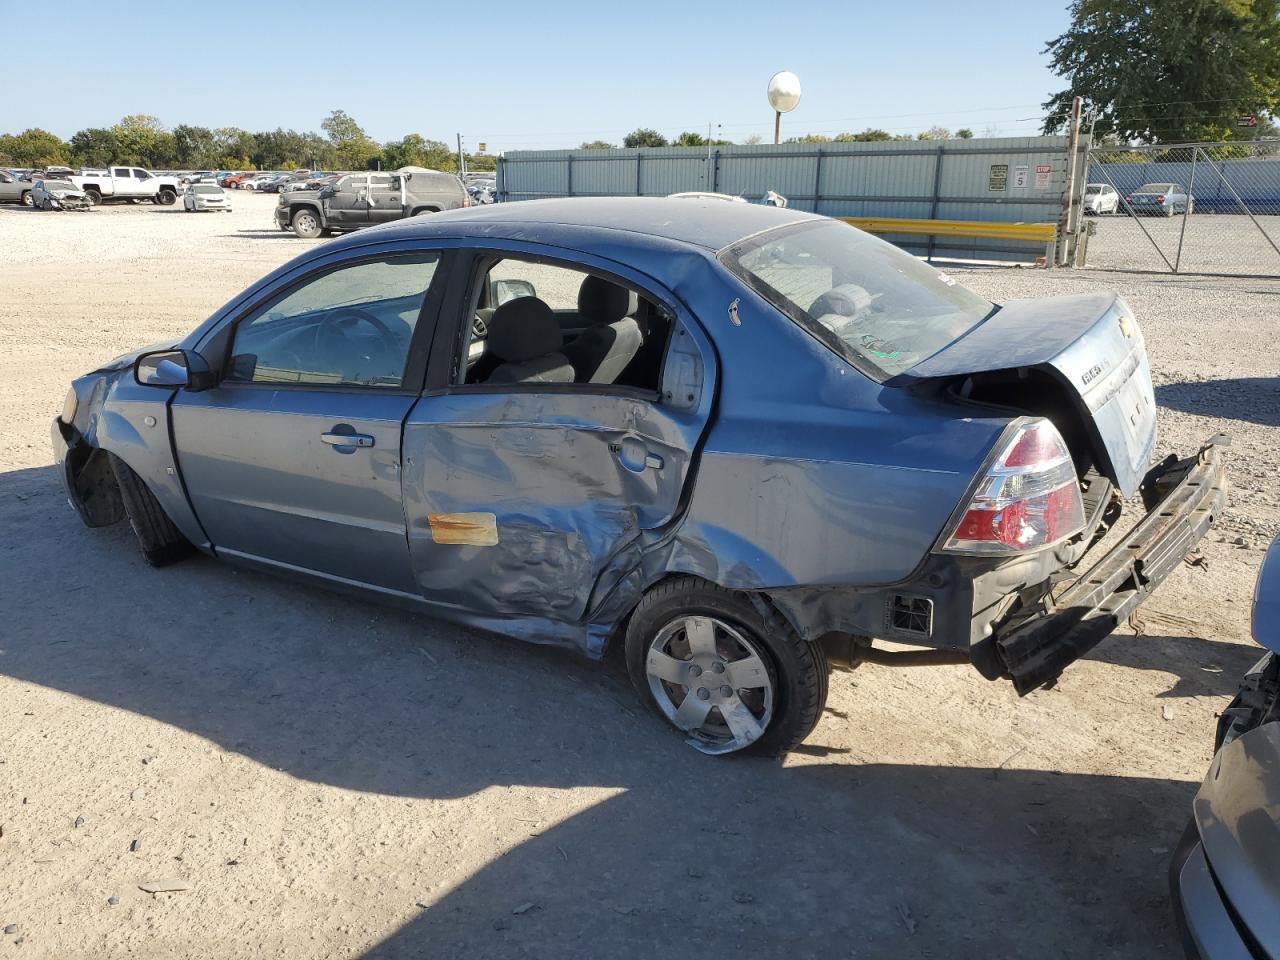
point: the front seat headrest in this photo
(603, 301)
(522, 329)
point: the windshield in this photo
(874, 304)
(1091, 189)
(58, 185)
(1155, 188)
(208, 188)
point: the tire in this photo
(424, 211)
(25, 199)
(94, 195)
(306, 223)
(159, 539)
(166, 198)
(787, 702)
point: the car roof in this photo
(712, 224)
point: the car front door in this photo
(122, 182)
(294, 459)
(10, 188)
(519, 495)
(346, 206)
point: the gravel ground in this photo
(1211, 243)
(328, 778)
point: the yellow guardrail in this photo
(1036, 232)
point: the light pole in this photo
(784, 94)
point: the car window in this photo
(348, 327)
(1156, 188)
(869, 301)
(141, 174)
(120, 172)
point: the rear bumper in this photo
(1183, 498)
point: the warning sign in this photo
(1043, 172)
(999, 177)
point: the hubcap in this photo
(710, 680)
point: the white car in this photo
(1100, 198)
(205, 196)
(255, 183)
(58, 195)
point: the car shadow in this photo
(1252, 399)
(1204, 668)
(264, 235)
(684, 855)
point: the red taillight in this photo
(1160, 199)
(1128, 199)
(1029, 498)
(466, 201)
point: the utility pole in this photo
(462, 159)
(1069, 225)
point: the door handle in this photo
(347, 439)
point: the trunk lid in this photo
(1091, 343)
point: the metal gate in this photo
(1212, 208)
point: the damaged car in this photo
(59, 195)
(1225, 875)
(742, 442)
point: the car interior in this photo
(584, 328)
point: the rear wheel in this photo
(730, 676)
(161, 542)
(306, 224)
(26, 198)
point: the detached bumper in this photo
(1183, 497)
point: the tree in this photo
(194, 147)
(417, 151)
(753, 139)
(34, 148)
(1167, 72)
(935, 133)
(141, 140)
(964, 133)
(644, 137)
(869, 135)
(95, 147)
(597, 145)
(690, 139)
(353, 148)
(809, 138)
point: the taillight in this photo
(1128, 199)
(1160, 199)
(1028, 499)
(466, 201)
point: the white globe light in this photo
(784, 91)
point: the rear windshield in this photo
(874, 304)
(207, 188)
(1155, 188)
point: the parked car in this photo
(257, 182)
(14, 190)
(1161, 199)
(205, 196)
(1100, 198)
(752, 439)
(1225, 874)
(482, 191)
(275, 183)
(367, 199)
(59, 195)
(127, 183)
(231, 180)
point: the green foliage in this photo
(869, 135)
(416, 151)
(33, 148)
(935, 133)
(644, 137)
(95, 147)
(353, 148)
(964, 133)
(142, 140)
(689, 139)
(597, 145)
(809, 138)
(1168, 72)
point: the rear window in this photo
(208, 188)
(1155, 188)
(879, 307)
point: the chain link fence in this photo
(1208, 208)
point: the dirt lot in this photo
(333, 779)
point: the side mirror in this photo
(173, 368)
(504, 290)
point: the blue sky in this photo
(539, 74)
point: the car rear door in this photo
(383, 202)
(294, 459)
(520, 496)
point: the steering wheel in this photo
(334, 326)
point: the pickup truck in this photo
(127, 183)
(366, 199)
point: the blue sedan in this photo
(743, 442)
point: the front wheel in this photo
(730, 676)
(306, 224)
(95, 196)
(161, 542)
(166, 198)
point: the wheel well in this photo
(94, 486)
(295, 209)
(424, 209)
